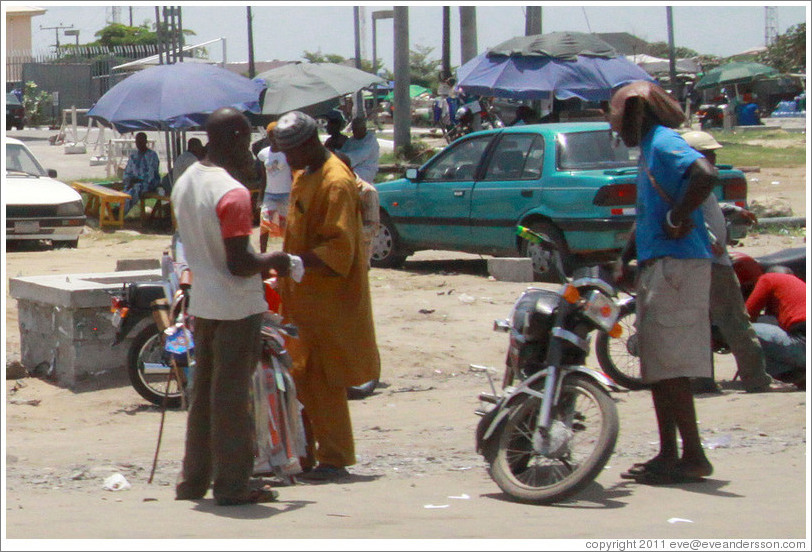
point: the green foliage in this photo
(37, 104)
(319, 57)
(660, 50)
(117, 34)
(422, 69)
(788, 53)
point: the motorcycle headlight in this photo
(72, 209)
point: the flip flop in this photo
(641, 468)
(257, 496)
(661, 476)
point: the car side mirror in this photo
(412, 174)
(52, 173)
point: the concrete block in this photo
(137, 264)
(65, 322)
(510, 269)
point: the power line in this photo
(587, 20)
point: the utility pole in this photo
(402, 111)
(532, 20)
(468, 40)
(672, 62)
(251, 67)
(770, 25)
(446, 62)
(358, 107)
(56, 28)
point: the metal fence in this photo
(100, 59)
(74, 75)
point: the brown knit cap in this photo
(662, 104)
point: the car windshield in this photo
(581, 151)
(19, 159)
(12, 99)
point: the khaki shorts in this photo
(673, 320)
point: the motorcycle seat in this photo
(794, 258)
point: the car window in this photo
(516, 157)
(459, 162)
(12, 99)
(20, 159)
(591, 150)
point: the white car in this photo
(37, 206)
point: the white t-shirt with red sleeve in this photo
(210, 206)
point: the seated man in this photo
(141, 173)
(362, 148)
(195, 151)
(781, 294)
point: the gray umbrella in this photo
(311, 87)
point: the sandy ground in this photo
(418, 475)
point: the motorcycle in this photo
(550, 435)
(135, 309)
(465, 119)
(618, 356)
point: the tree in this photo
(661, 50)
(319, 57)
(788, 53)
(117, 34)
(423, 70)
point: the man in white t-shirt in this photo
(278, 180)
(213, 212)
(362, 148)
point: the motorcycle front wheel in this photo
(148, 372)
(619, 357)
(581, 440)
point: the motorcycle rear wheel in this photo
(147, 370)
(586, 415)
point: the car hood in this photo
(29, 190)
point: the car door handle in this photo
(527, 193)
(459, 193)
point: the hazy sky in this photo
(283, 30)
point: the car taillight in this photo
(616, 195)
(735, 191)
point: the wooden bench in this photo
(101, 201)
(162, 208)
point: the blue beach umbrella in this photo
(561, 65)
(175, 97)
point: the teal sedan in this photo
(572, 182)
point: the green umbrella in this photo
(740, 72)
(414, 91)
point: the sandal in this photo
(323, 473)
(257, 496)
(641, 468)
(655, 474)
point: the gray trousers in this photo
(220, 430)
(729, 315)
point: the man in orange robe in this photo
(331, 305)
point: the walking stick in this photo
(161, 427)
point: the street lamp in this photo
(380, 14)
(73, 32)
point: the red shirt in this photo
(783, 296)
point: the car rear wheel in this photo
(386, 252)
(542, 259)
